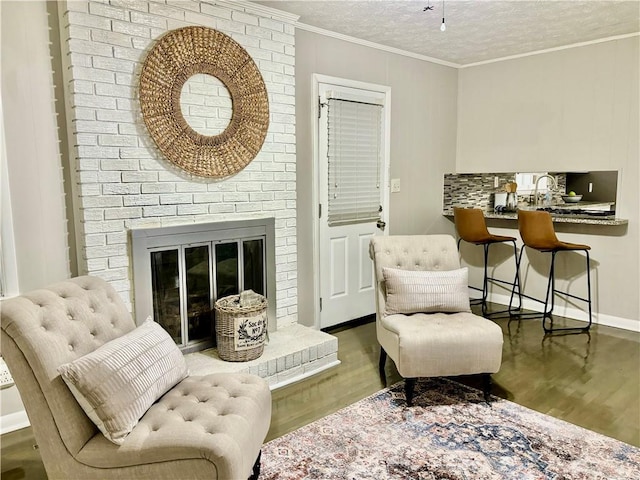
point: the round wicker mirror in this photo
(171, 62)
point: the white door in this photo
(352, 187)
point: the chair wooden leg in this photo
(486, 387)
(383, 361)
(409, 386)
(255, 473)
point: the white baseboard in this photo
(13, 421)
(574, 313)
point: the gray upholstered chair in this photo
(433, 344)
(208, 427)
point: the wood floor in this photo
(592, 380)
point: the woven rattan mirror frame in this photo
(176, 57)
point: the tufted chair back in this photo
(410, 252)
(46, 328)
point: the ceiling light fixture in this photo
(443, 27)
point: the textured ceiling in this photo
(477, 30)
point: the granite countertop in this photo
(568, 218)
(611, 220)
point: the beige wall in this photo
(575, 109)
(423, 136)
(33, 156)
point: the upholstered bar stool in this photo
(537, 232)
(472, 228)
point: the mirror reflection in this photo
(206, 104)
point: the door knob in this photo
(380, 224)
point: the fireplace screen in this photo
(179, 271)
(187, 280)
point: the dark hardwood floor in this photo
(591, 380)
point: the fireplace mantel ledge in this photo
(294, 352)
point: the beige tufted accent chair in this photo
(430, 344)
(205, 427)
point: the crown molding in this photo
(258, 9)
(549, 50)
(397, 51)
(366, 43)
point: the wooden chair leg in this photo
(383, 361)
(487, 384)
(255, 473)
(409, 386)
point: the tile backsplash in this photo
(477, 190)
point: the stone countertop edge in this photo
(595, 220)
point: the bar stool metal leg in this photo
(477, 301)
(515, 285)
(549, 313)
(516, 282)
(549, 300)
(485, 279)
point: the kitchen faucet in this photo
(535, 192)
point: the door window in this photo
(354, 157)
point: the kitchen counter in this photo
(606, 220)
(568, 218)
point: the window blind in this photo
(354, 150)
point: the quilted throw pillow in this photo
(414, 291)
(118, 382)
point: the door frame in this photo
(317, 79)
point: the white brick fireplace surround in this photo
(122, 180)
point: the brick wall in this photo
(123, 181)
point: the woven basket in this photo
(240, 331)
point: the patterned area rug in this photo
(450, 433)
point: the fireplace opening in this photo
(180, 272)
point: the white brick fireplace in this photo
(124, 184)
(123, 181)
